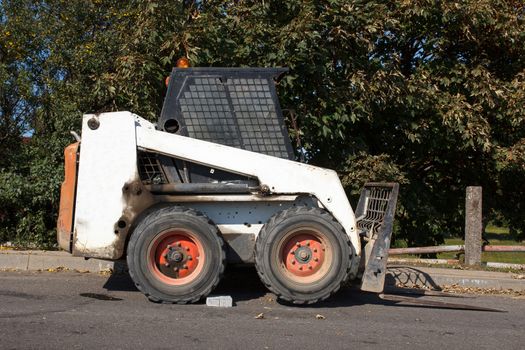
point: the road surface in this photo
(48, 310)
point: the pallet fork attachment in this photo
(375, 217)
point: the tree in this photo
(427, 93)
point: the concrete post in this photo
(473, 226)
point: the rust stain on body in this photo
(136, 199)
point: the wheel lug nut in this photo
(176, 269)
(292, 252)
(190, 258)
(309, 267)
(315, 250)
(167, 264)
(308, 243)
(185, 266)
(298, 244)
(300, 268)
(293, 262)
(179, 244)
(316, 259)
(187, 249)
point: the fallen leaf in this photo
(455, 289)
(320, 317)
(260, 316)
(105, 272)
(57, 269)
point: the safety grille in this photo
(150, 171)
(254, 108)
(207, 112)
(232, 106)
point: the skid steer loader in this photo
(214, 181)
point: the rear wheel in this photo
(303, 255)
(176, 255)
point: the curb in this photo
(38, 260)
(453, 262)
(436, 278)
(400, 275)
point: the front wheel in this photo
(176, 255)
(303, 255)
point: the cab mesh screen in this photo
(236, 107)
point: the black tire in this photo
(273, 257)
(196, 276)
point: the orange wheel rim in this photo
(304, 255)
(176, 257)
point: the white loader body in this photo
(110, 195)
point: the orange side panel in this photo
(67, 197)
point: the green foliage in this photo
(427, 93)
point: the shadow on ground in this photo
(243, 284)
(409, 276)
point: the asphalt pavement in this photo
(54, 310)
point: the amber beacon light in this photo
(182, 62)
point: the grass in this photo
(495, 236)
